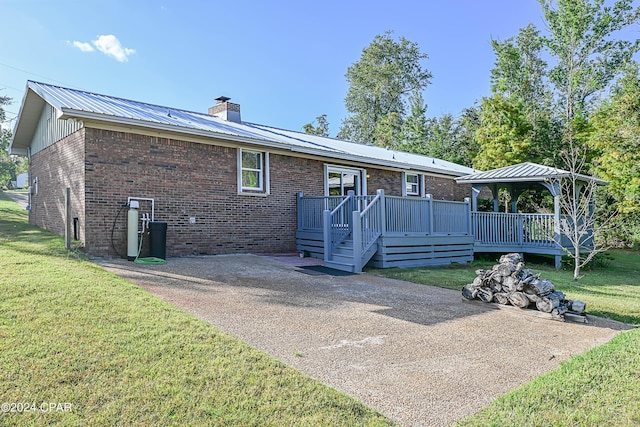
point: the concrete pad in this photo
(416, 353)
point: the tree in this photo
(442, 136)
(322, 127)
(581, 224)
(466, 148)
(520, 73)
(615, 141)
(388, 131)
(8, 163)
(503, 135)
(517, 122)
(581, 41)
(415, 125)
(387, 72)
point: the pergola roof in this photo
(523, 172)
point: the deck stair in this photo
(343, 257)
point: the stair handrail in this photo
(367, 228)
(337, 225)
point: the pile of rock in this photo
(511, 283)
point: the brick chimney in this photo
(226, 110)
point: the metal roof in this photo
(523, 172)
(82, 105)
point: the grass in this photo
(612, 291)
(598, 388)
(73, 334)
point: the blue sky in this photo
(283, 61)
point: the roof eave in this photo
(462, 180)
(68, 113)
(25, 122)
(584, 178)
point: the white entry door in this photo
(339, 181)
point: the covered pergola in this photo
(520, 232)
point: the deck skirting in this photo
(401, 251)
(422, 251)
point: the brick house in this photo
(221, 184)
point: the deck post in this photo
(326, 234)
(469, 223)
(494, 191)
(429, 198)
(556, 228)
(520, 229)
(357, 242)
(558, 261)
(383, 213)
(299, 207)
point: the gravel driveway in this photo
(418, 354)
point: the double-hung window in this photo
(413, 184)
(253, 172)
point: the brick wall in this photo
(389, 181)
(57, 167)
(186, 180)
(189, 180)
(440, 187)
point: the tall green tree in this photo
(466, 147)
(521, 105)
(520, 72)
(320, 128)
(388, 132)
(503, 135)
(588, 57)
(615, 141)
(442, 136)
(8, 164)
(415, 125)
(380, 83)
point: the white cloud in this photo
(85, 47)
(111, 46)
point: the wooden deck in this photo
(349, 232)
(353, 231)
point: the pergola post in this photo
(475, 191)
(494, 190)
(554, 188)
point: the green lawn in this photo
(108, 353)
(598, 388)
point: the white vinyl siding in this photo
(50, 129)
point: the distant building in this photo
(22, 180)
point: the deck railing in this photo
(451, 217)
(337, 225)
(367, 227)
(402, 215)
(500, 229)
(407, 215)
(370, 222)
(425, 216)
(310, 209)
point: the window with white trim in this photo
(253, 172)
(412, 184)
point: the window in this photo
(253, 172)
(413, 184)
